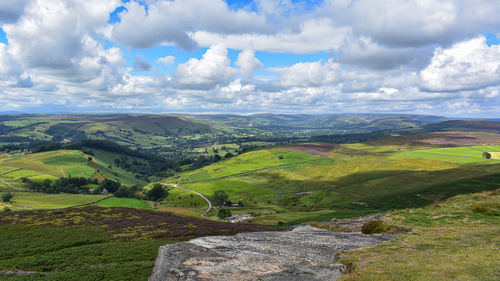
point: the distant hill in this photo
(331, 123)
(178, 132)
(145, 131)
(464, 126)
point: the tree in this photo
(157, 193)
(224, 213)
(486, 155)
(228, 155)
(110, 185)
(220, 198)
(6, 197)
(123, 192)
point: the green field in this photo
(237, 188)
(61, 163)
(179, 198)
(460, 155)
(356, 179)
(124, 202)
(31, 200)
(248, 162)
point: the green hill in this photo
(316, 182)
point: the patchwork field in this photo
(299, 183)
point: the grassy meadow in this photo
(36, 200)
(289, 186)
(454, 240)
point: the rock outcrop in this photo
(304, 253)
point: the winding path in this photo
(11, 186)
(197, 193)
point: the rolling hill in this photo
(298, 183)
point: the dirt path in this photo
(197, 193)
(11, 186)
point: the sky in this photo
(439, 57)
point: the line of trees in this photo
(72, 185)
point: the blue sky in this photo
(287, 56)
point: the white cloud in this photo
(309, 74)
(365, 53)
(167, 60)
(248, 63)
(313, 35)
(471, 64)
(212, 69)
(170, 21)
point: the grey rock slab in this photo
(304, 253)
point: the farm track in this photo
(197, 193)
(11, 186)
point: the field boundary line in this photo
(87, 204)
(13, 187)
(248, 172)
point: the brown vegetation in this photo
(129, 223)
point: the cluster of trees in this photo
(72, 185)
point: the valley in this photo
(97, 189)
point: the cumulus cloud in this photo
(309, 74)
(212, 69)
(312, 35)
(10, 11)
(365, 53)
(172, 21)
(369, 55)
(248, 63)
(471, 64)
(168, 60)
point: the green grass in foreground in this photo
(124, 202)
(454, 240)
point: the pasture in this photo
(60, 163)
(460, 155)
(124, 202)
(354, 179)
(32, 200)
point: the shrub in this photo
(123, 192)
(6, 197)
(487, 208)
(374, 226)
(486, 155)
(6, 209)
(224, 213)
(157, 193)
(220, 198)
